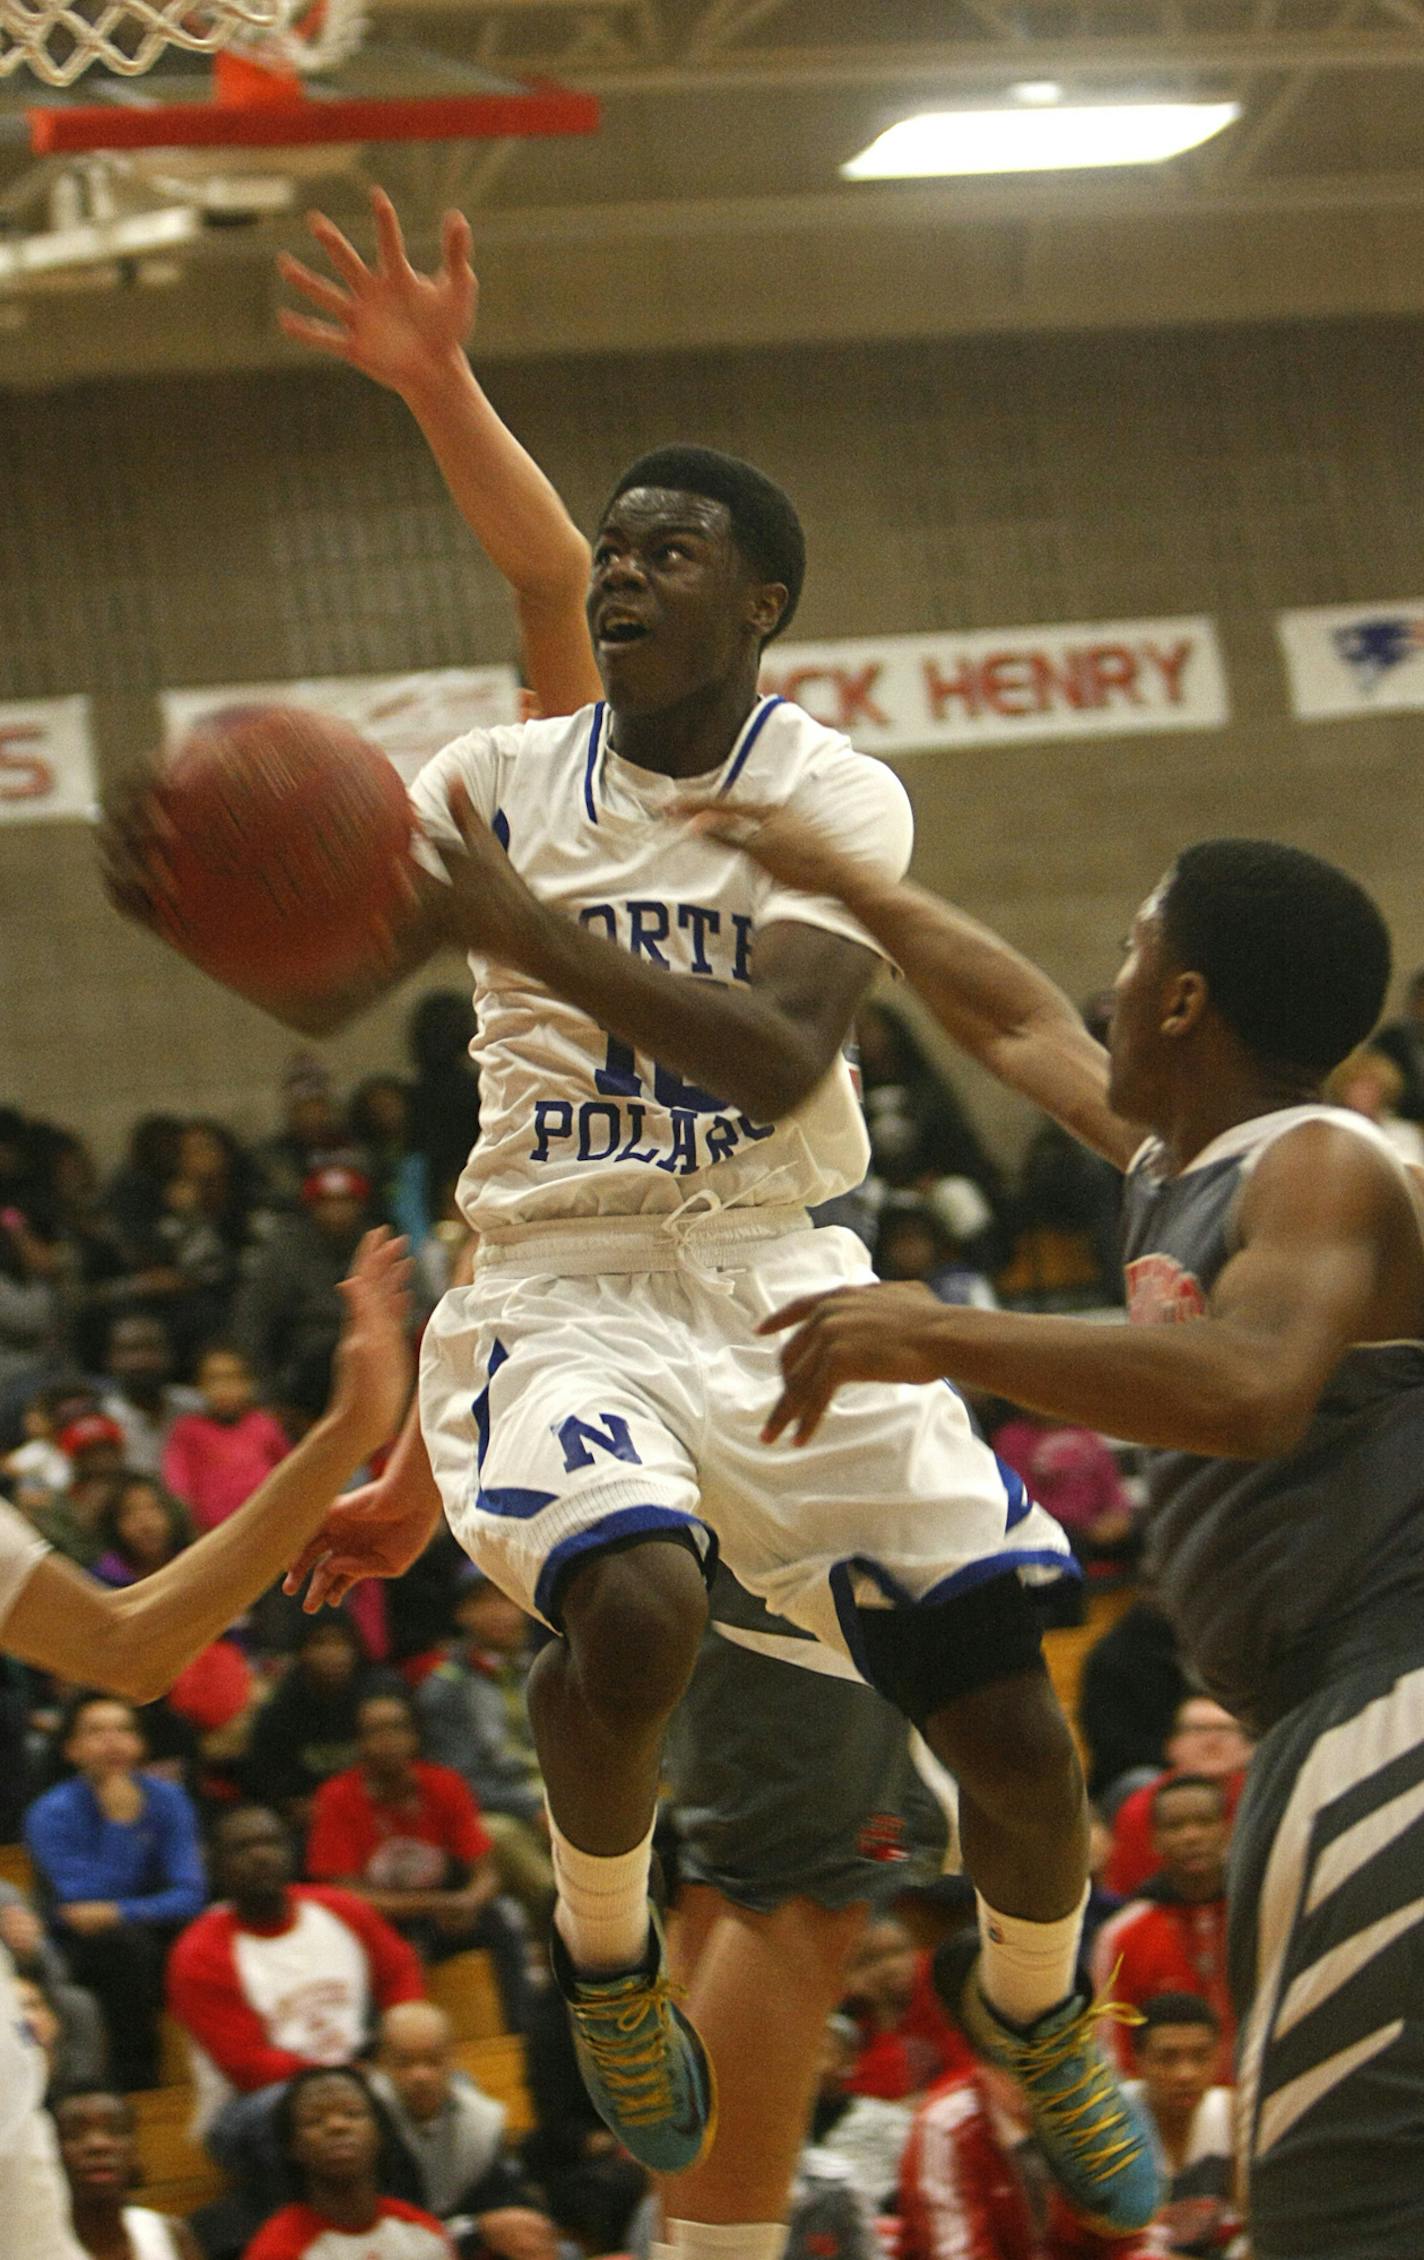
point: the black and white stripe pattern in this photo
(1327, 1956)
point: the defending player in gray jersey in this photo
(1275, 1366)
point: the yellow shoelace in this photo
(1089, 2111)
(636, 2077)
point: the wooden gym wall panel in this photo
(232, 528)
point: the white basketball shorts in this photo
(603, 1379)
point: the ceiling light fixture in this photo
(1038, 139)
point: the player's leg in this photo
(969, 1672)
(567, 1483)
(759, 1989)
(1327, 1971)
(798, 1805)
(921, 1583)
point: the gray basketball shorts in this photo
(793, 1782)
(1326, 1897)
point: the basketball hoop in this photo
(57, 40)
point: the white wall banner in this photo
(913, 694)
(408, 716)
(46, 760)
(1354, 658)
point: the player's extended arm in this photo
(761, 1046)
(1321, 1222)
(996, 1004)
(138, 1640)
(409, 331)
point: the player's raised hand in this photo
(794, 852)
(390, 321)
(371, 1375)
(852, 1334)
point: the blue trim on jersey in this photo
(593, 737)
(623, 1522)
(506, 1499)
(1020, 1504)
(748, 742)
(481, 1406)
(513, 1504)
(499, 825)
(948, 1589)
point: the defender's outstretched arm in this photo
(138, 1640)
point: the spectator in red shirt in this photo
(1171, 1938)
(1205, 1739)
(216, 1458)
(278, 1977)
(407, 1836)
(972, 2186)
(906, 2040)
(334, 2142)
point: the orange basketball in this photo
(289, 835)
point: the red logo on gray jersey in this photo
(1162, 1292)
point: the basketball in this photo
(288, 836)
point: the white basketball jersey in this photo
(572, 1122)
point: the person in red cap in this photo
(93, 1445)
(287, 1315)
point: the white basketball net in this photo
(59, 39)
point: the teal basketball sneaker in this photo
(645, 2068)
(1094, 2139)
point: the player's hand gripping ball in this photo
(272, 850)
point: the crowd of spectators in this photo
(323, 1809)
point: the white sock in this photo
(1027, 1968)
(736, 2240)
(602, 1914)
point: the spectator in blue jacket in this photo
(117, 1852)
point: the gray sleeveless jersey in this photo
(1277, 1573)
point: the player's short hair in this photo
(1172, 1782)
(1295, 954)
(764, 522)
(1176, 2009)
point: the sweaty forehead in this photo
(644, 510)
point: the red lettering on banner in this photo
(1112, 667)
(857, 696)
(23, 776)
(853, 694)
(1007, 678)
(1171, 665)
(963, 684)
(1055, 684)
(794, 687)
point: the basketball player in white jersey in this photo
(663, 1095)
(796, 1787)
(135, 1643)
